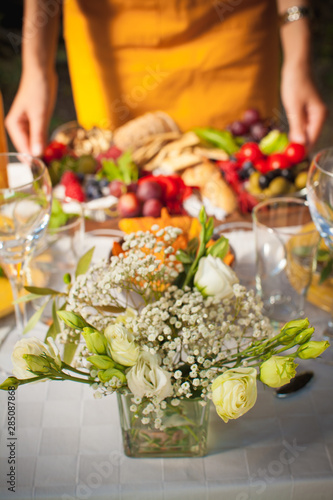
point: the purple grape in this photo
(238, 128)
(251, 116)
(258, 131)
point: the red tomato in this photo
(249, 151)
(262, 165)
(295, 152)
(54, 151)
(278, 161)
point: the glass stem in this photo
(15, 274)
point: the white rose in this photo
(121, 345)
(32, 346)
(235, 392)
(148, 379)
(213, 277)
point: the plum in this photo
(251, 116)
(117, 188)
(148, 190)
(152, 208)
(129, 205)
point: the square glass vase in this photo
(183, 431)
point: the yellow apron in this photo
(201, 61)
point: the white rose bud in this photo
(148, 379)
(214, 277)
(36, 347)
(121, 345)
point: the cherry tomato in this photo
(278, 161)
(262, 165)
(295, 152)
(249, 151)
(54, 151)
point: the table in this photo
(69, 445)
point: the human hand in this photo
(28, 118)
(305, 110)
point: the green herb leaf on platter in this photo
(84, 262)
(222, 139)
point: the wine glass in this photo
(25, 206)
(320, 199)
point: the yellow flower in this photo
(278, 371)
(312, 349)
(235, 392)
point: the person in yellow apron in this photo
(201, 61)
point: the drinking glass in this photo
(25, 206)
(286, 245)
(320, 199)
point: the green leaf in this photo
(110, 309)
(192, 246)
(202, 216)
(323, 255)
(42, 291)
(27, 298)
(209, 230)
(55, 327)
(302, 251)
(220, 248)
(222, 139)
(274, 142)
(73, 320)
(183, 257)
(84, 262)
(34, 319)
(326, 271)
(128, 168)
(71, 348)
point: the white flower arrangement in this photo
(165, 322)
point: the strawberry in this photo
(75, 191)
(68, 177)
(54, 151)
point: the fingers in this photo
(37, 135)
(18, 130)
(297, 125)
(28, 133)
(317, 113)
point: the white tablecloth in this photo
(68, 445)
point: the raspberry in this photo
(68, 178)
(75, 191)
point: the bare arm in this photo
(28, 119)
(304, 107)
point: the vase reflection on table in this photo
(25, 206)
(320, 199)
